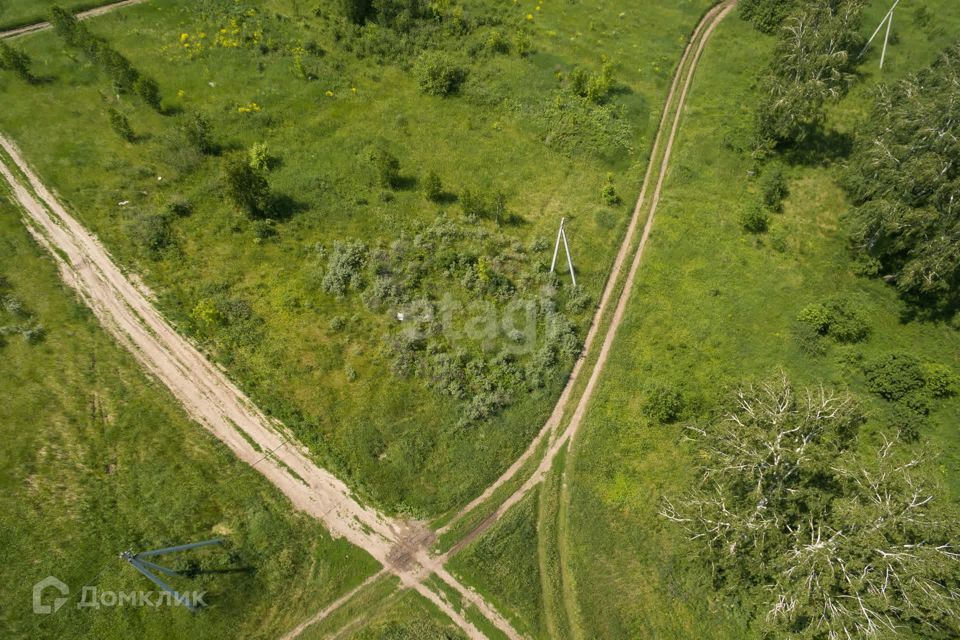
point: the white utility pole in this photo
(888, 20)
(562, 236)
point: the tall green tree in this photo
(812, 66)
(904, 178)
(837, 544)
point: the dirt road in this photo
(685, 72)
(216, 403)
(83, 15)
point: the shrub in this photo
(259, 158)
(838, 318)
(847, 321)
(344, 268)
(664, 404)
(148, 91)
(432, 187)
(179, 207)
(388, 168)
(608, 194)
(894, 376)
(940, 380)
(437, 75)
(754, 219)
(246, 187)
(151, 232)
(773, 186)
(120, 125)
(196, 129)
(766, 15)
(906, 422)
(816, 317)
(12, 59)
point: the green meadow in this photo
(715, 307)
(98, 459)
(417, 415)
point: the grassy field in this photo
(15, 13)
(715, 307)
(320, 362)
(98, 459)
(503, 565)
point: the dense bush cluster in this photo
(344, 268)
(476, 322)
(912, 386)
(437, 75)
(904, 179)
(839, 318)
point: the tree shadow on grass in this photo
(820, 148)
(283, 207)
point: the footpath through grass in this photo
(98, 459)
(715, 307)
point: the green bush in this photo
(838, 318)
(432, 187)
(15, 60)
(773, 186)
(344, 268)
(151, 232)
(120, 125)
(388, 168)
(246, 187)
(940, 380)
(766, 15)
(608, 194)
(907, 422)
(437, 75)
(754, 219)
(196, 129)
(664, 404)
(894, 376)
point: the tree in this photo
(246, 187)
(437, 75)
(904, 180)
(766, 15)
(12, 59)
(432, 187)
(149, 92)
(812, 65)
(839, 545)
(196, 129)
(120, 124)
(388, 168)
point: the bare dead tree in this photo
(845, 547)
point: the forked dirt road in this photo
(215, 402)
